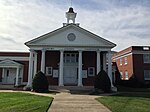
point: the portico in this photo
(69, 55)
(11, 72)
(76, 64)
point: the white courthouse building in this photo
(70, 55)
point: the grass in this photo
(23, 102)
(127, 102)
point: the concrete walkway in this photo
(66, 102)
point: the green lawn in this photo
(22, 102)
(127, 102)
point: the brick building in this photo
(134, 60)
(69, 55)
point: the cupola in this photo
(71, 15)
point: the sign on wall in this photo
(55, 73)
(84, 73)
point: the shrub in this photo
(132, 82)
(40, 83)
(102, 81)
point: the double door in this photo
(70, 75)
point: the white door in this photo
(70, 75)
(9, 75)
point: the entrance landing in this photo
(73, 89)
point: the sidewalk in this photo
(66, 102)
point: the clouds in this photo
(124, 23)
(125, 26)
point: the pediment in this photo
(8, 62)
(60, 37)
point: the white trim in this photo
(110, 67)
(80, 69)
(71, 48)
(98, 62)
(84, 31)
(129, 53)
(17, 76)
(9, 66)
(61, 68)
(30, 69)
(14, 58)
(43, 60)
(121, 56)
(8, 62)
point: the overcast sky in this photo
(124, 22)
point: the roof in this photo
(10, 63)
(75, 27)
(132, 49)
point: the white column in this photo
(110, 67)
(43, 61)
(30, 72)
(3, 77)
(98, 62)
(80, 69)
(104, 62)
(35, 63)
(61, 68)
(17, 77)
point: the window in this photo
(67, 57)
(91, 71)
(125, 60)
(126, 75)
(120, 61)
(146, 58)
(145, 48)
(121, 75)
(147, 74)
(49, 71)
(70, 58)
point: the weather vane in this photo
(71, 3)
